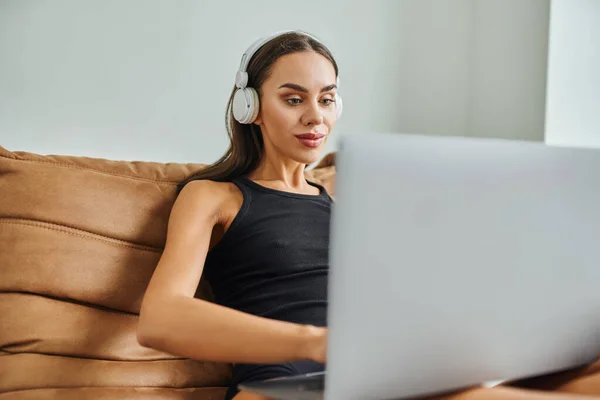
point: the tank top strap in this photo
(322, 190)
(247, 185)
(241, 184)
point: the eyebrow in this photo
(305, 90)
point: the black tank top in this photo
(273, 261)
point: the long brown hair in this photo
(246, 147)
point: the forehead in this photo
(306, 68)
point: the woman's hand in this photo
(315, 344)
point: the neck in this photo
(287, 173)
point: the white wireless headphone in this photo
(245, 100)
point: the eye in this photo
(328, 102)
(294, 101)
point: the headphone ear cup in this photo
(245, 105)
(239, 106)
(255, 105)
(338, 105)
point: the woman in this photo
(254, 227)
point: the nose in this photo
(313, 115)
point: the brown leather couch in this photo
(79, 239)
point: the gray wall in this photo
(573, 101)
(149, 79)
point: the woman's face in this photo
(297, 106)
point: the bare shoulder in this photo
(217, 202)
(195, 225)
(210, 194)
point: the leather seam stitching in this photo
(77, 232)
(71, 356)
(62, 165)
(201, 388)
(72, 301)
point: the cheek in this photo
(331, 119)
(279, 116)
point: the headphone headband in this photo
(241, 77)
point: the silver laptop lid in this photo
(456, 261)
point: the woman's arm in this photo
(173, 321)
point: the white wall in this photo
(473, 68)
(149, 79)
(508, 69)
(573, 100)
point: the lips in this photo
(310, 136)
(310, 140)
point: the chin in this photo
(308, 157)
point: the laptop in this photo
(454, 262)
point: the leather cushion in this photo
(80, 238)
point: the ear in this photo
(258, 121)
